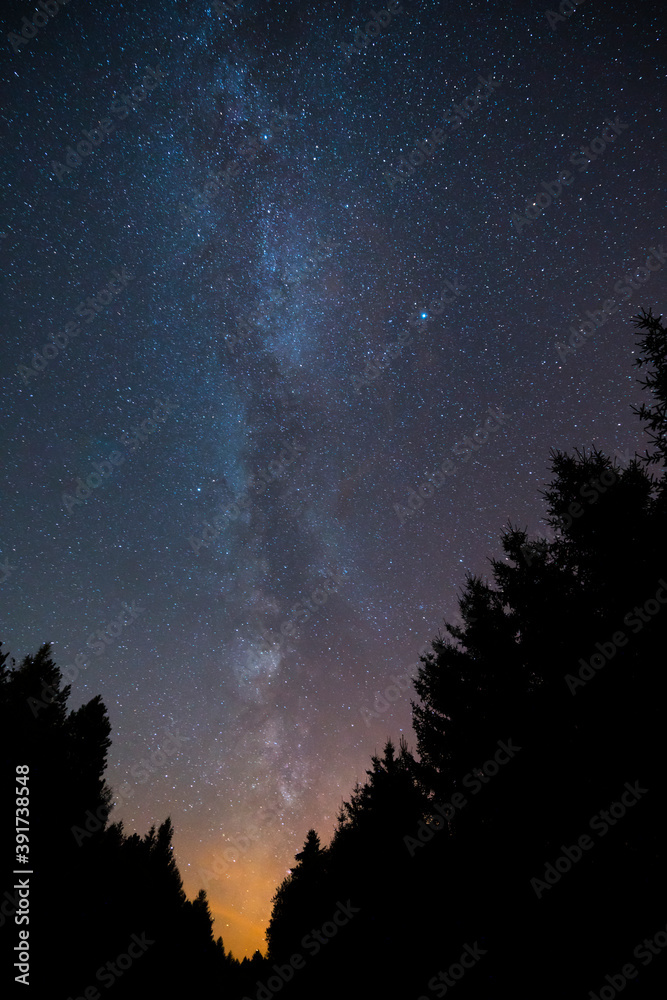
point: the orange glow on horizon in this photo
(240, 902)
(242, 935)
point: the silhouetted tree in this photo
(528, 638)
(654, 352)
(298, 899)
(66, 755)
(378, 811)
(516, 678)
(558, 660)
(93, 887)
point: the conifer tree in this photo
(298, 899)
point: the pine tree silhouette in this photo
(93, 887)
(558, 661)
(538, 671)
(298, 900)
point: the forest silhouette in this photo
(481, 862)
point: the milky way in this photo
(266, 267)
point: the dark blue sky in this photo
(396, 313)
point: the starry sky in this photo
(246, 317)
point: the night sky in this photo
(326, 314)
